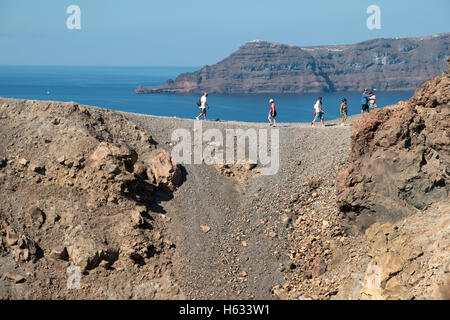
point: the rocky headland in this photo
(266, 67)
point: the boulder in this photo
(14, 277)
(87, 253)
(313, 184)
(37, 167)
(163, 170)
(137, 218)
(23, 162)
(107, 151)
(59, 253)
(36, 217)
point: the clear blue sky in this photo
(196, 32)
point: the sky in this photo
(196, 32)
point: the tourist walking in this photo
(272, 113)
(365, 102)
(318, 112)
(203, 105)
(343, 111)
(373, 99)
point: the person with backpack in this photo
(318, 112)
(272, 113)
(343, 111)
(203, 105)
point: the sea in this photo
(113, 88)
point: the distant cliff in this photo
(265, 67)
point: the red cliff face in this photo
(400, 157)
(264, 67)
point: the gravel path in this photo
(240, 256)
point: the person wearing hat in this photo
(365, 102)
(272, 113)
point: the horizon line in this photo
(100, 66)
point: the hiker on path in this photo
(318, 112)
(365, 102)
(344, 111)
(203, 105)
(373, 100)
(272, 113)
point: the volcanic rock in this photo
(400, 157)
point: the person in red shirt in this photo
(272, 113)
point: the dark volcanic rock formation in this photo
(400, 157)
(264, 67)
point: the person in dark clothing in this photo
(365, 102)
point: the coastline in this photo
(160, 152)
(334, 121)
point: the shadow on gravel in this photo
(160, 197)
(184, 174)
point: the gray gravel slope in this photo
(216, 265)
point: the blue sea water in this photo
(113, 88)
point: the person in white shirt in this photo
(373, 99)
(203, 106)
(318, 112)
